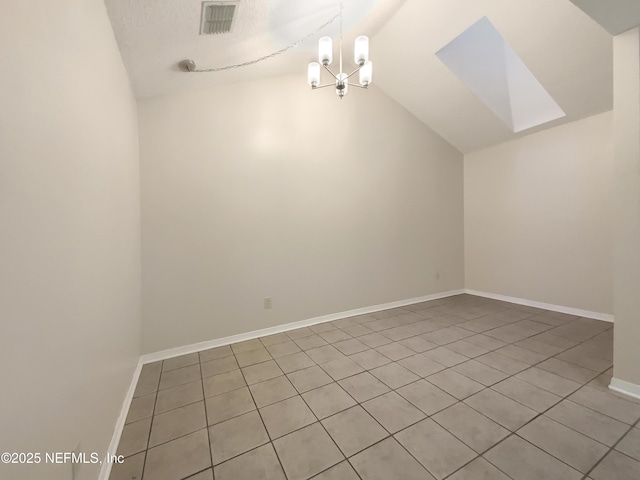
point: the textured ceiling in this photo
(568, 52)
(154, 35)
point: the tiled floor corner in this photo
(460, 388)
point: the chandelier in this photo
(325, 58)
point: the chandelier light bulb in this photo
(366, 73)
(361, 50)
(325, 51)
(313, 74)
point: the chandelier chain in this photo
(279, 52)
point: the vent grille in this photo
(217, 17)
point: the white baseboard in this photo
(105, 470)
(196, 347)
(626, 388)
(606, 317)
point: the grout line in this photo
(181, 406)
(206, 414)
(511, 432)
(155, 401)
(325, 429)
(637, 422)
(247, 451)
(198, 473)
(562, 398)
(262, 419)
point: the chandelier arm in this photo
(354, 72)
(329, 70)
(324, 86)
(358, 86)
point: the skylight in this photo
(485, 63)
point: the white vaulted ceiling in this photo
(568, 52)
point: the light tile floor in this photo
(460, 388)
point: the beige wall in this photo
(626, 361)
(538, 216)
(267, 189)
(69, 242)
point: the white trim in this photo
(196, 347)
(626, 388)
(105, 470)
(606, 317)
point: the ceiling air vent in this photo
(217, 17)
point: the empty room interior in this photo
(329, 239)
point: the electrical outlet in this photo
(267, 303)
